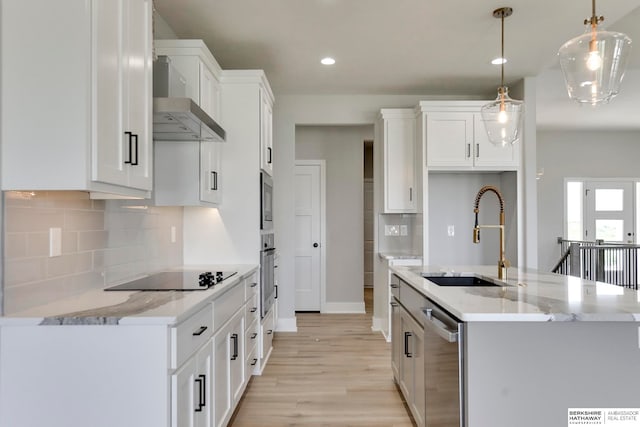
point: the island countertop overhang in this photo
(528, 295)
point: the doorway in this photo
(309, 231)
(601, 210)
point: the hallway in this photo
(333, 372)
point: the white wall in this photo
(342, 148)
(571, 154)
(451, 201)
(162, 30)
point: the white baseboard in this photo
(343, 307)
(286, 325)
(376, 326)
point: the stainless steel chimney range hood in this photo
(175, 116)
(181, 119)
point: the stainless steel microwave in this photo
(266, 202)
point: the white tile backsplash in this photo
(409, 244)
(103, 242)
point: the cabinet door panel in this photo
(210, 177)
(488, 154)
(237, 351)
(396, 340)
(206, 90)
(449, 139)
(203, 390)
(109, 140)
(183, 391)
(221, 378)
(266, 137)
(406, 362)
(137, 91)
(399, 157)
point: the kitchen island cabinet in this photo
(88, 83)
(529, 349)
(168, 358)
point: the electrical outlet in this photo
(451, 231)
(173, 234)
(404, 230)
(55, 241)
(391, 230)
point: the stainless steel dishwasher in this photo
(444, 368)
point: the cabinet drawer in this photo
(251, 362)
(268, 329)
(251, 336)
(188, 336)
(226, 305)
(412, 300)
(252, 285)
(394, 285)
(252, 309)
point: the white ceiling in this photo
(429, 47)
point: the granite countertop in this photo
(398, 255)
(99, 307)
(528, 295)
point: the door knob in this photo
(315, 245)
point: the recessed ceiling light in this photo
(499, 61)
(327, 61)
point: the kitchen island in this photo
(526, 352)
(134, 358)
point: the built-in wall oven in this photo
(444, 368)
(266, 202)
(267, 277)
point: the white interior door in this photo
(609, 211)
(308, 253)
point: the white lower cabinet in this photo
(221, 381)
(411, 367)
(144, 374)
(407, 352)
(191, 391)
(228, 368)
(268, 329)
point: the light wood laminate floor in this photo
(333, 372)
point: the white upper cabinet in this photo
(488, 154)
(200, 69)
(396, 131)
(456, 139)
(189, 173)
(266, 132)
(247, 114)
(76, 103)
(211, 177)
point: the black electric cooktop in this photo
(175, 281)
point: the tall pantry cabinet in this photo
(76, 96)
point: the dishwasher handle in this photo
(439, 327)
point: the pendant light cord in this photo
(502, 54)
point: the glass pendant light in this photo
(503, 117)
(593, 64)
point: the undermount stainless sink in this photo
(459, 280)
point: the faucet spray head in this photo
(476, 229)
